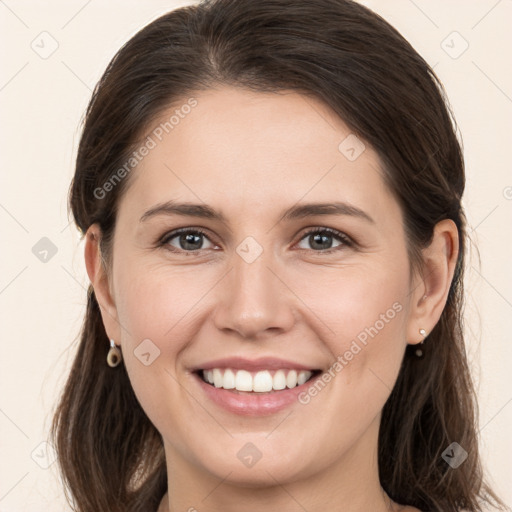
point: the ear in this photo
(430, 291)
(99, 278)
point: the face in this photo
(256, 286)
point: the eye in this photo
(187, 240)
(321, 240)
(190, 240)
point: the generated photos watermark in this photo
(356, 346)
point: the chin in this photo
(279, 468)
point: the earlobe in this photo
(98, 276)
(440, 259)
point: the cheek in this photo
(363, 304)
(158, 304)
(157, 319)
(368, 320)
(363, 316)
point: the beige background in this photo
(42, 101)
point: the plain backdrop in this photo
(54, 53)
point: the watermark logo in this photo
(44, 455)
(45, 45)
(44, 250)
(147, 352)
(454, 45)
(249, 455)
(454, 455)
(249, 250)
(352, 147)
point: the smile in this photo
(253, 387)
(263, 381)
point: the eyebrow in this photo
(299, 211)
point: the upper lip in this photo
(263, 363)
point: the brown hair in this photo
(111, 456)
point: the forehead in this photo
(252, 150)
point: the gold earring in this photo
(419, 351)
(114, 355)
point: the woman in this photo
(270, 194)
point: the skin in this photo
(252, 155)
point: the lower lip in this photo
(253, 404)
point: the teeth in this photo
(218, 380)
(243, 381)
(259, 382)
(291, 379)
(302, 378)
(279, 380)
(262, 382)
(229, 380)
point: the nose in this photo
(254, 300)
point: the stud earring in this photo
(419, 350)
(114, 355)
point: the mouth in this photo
(253, 387)
(245, 381)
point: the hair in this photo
(110, 454)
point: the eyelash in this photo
(342, 237)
